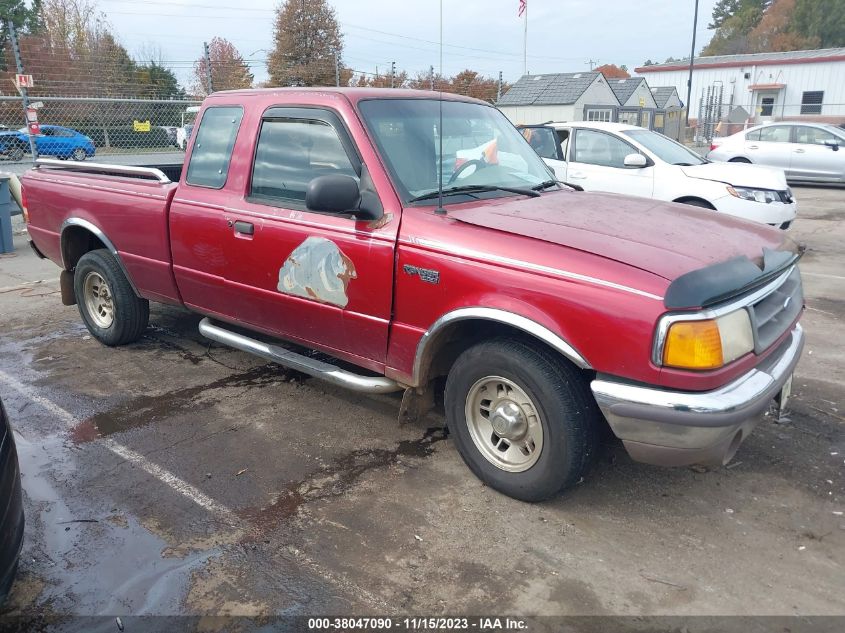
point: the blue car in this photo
(54, 140)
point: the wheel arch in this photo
(688, 199)
(458, 330)
(80, 236)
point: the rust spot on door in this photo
(318, 270)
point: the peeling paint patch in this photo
(318, 270)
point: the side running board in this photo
(310, 366)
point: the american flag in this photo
(523, 7)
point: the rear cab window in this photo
(212, 152)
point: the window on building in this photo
(212, 151)
(767, 106)
(599, 115)
(811, 102)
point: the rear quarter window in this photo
(212, 152)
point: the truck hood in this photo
(662, 238)
(739, 174)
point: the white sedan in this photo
(807, 152)
(627, 159)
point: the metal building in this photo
(806, 85)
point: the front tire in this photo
(111, 311)
(523, 418)
(79, 154)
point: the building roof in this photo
(750, 59)
(553, 89)
(624, 88)
(662, 94)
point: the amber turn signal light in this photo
(693, 345)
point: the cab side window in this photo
(598, 148)
(212, 153)
(291, 152)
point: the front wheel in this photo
(739, 159)
(109, 307)
(79, 154)
(523, 418)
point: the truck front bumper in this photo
(677, 428)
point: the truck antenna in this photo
(440, 210)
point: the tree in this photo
(611, 71)
(822, 21)
(308, 44)
(25, 18)
(776, 31)
(229, 71)
(161, 81)
(733, 21)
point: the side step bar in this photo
(310, 366)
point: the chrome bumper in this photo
(672, 428)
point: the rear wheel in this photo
(522, 418)
(16, 152)
(107, 303)
(739, 159)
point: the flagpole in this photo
(525, 42)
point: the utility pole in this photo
(691, 59)
(336, 70)
(499, 88)
(208, 83)
(392, 73)
(431, 78)
(24, 97)
(592, 63)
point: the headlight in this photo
(755, 195)
(707, 343)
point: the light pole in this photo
(691, 60)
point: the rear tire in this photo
(16, 153)
(739, 159)
(523, 418)
(111, 311)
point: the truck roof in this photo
(353, 94)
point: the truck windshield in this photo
(481, 148)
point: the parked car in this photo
(171, 131)
(12, 147)
(313, 216)
(62, 142)
(183, 135)
(620, 158)
(807, 152)
(11, 507)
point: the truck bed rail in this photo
(144, 173)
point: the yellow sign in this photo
(141, 126)
(642, 102)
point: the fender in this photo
(96, 232)
(540, 332)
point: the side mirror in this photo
(832, 144)
(336, 193)
(635, 160)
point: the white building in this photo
(769, 86)
(559, 97)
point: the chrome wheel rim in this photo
(98, 300)
(504, 424)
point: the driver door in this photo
(545, 141)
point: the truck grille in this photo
(772, 315)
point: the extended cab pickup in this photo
(313, 216)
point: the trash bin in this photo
(6, 209)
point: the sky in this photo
(483, 35)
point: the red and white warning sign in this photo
(24, 81)
(32, 121)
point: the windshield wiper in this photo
(475, 189)
(544, 185)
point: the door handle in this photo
(753, 147)
(800, 151)
(577, 175)
(244, 228)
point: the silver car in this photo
(807, 152)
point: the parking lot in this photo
(176, 477)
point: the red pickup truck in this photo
(314, 216)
